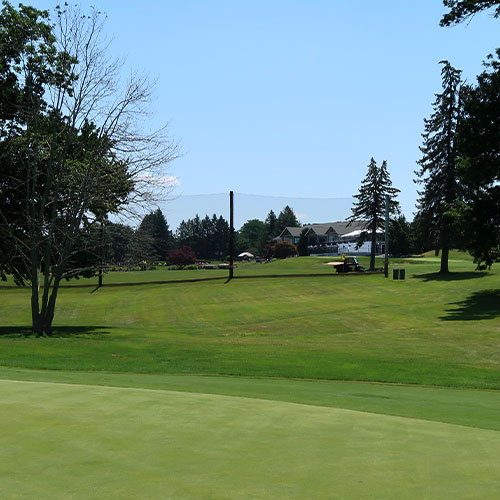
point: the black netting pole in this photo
(386, 245)
(231, 234)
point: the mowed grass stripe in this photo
(457, 406)
(423, 330)
(67, 441)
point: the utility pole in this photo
(231, 234)
(386, 245)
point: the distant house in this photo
(332, 238)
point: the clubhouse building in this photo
(332, 238)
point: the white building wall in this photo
(350, 248)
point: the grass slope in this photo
(425, 330)
(66, 441)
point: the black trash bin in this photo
(395, 274)
(402, 274)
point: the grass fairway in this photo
(77, 441)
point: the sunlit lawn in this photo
(424, 330)
(127, 399)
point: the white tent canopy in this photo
(352, 234)
(246, 254)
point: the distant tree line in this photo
(207, 237)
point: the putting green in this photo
(79, 441)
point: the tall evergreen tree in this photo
(271, 225)
(400, 236)
(478, 144)
(208, 237)
(220, 237)
(438, 166)
(421, 240)
(370, 204)
(155, 236)
(287, 218)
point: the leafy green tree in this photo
(118, 238)
(478, 144)
(370, 204)
(287, 218)
(251, 237)
(461, 10)
(284, 249)
(438, 171)
(70, 153)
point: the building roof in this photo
(340, 227)
(357, 232)
(292, 231)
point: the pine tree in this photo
(154, 237)
(438, 166)
(478, 143)
(370, 204)
(287, 218)
(208, 237)
(271, 225)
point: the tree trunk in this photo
(51, 307)
(444, 260)
(35, 300)
(445, 246)
(372, 251)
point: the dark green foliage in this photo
(479, 139)
(438, 166)
(287, 218)
(421, 239)
(370, 204)
(183, 256)
(461, 10)
(251, 237)
(302, 246)
(271, 225)
(209, 237)
(400, 236)
(284, 249)
(118, 238)
(153, 239)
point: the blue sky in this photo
(292, 98)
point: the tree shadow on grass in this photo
(480, 305)
(464, 275)
(58, 331)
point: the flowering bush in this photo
(284, 249)
(181, 257)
